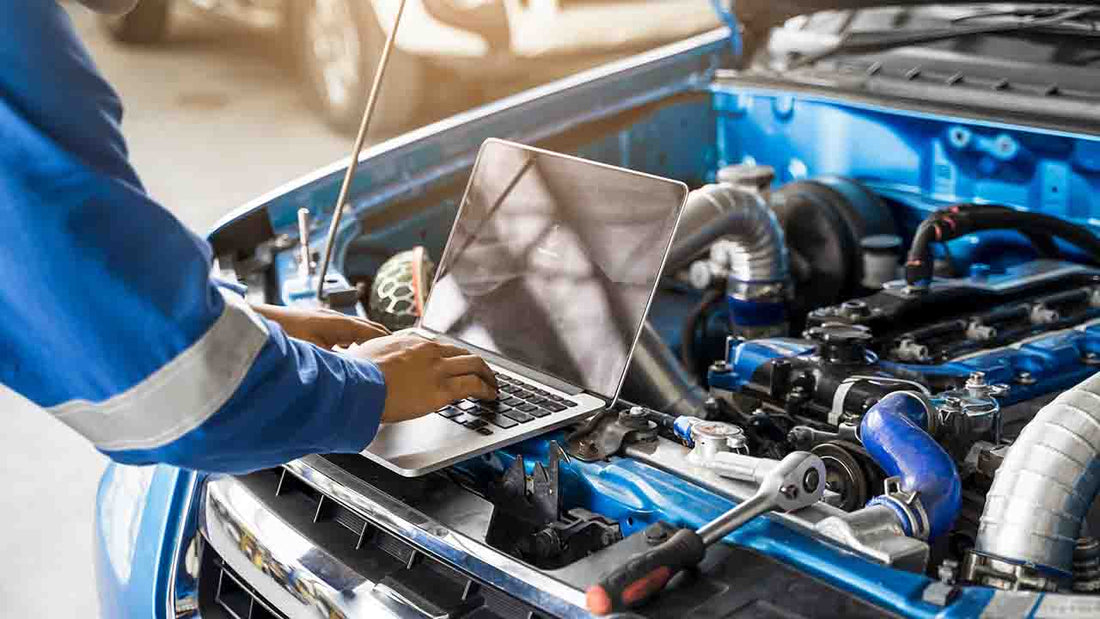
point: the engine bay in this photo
(916, 308)
(802, 352)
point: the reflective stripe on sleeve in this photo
(181, 395)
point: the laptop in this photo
(548, 275)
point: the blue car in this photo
(877, 342)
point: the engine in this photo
(939, 366)
(913, 377)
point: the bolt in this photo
(948, 571)
(1091, 358)
(796, 394)
(720, 367)
(1041, 315)
(976, 379)
(655, 533)
(911, 291)
(855, 309)
(633, 418)
(1026, 378)
(790, 491)
(811, 480)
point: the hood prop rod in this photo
(357, 149)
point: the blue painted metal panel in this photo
(141, 514)
(920, 159)
(636, 495)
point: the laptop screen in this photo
(553, 261)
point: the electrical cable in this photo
(960, 220)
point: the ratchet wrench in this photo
(794, 482)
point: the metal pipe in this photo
(357, 151)
(1046, 484)
(754, 246)
(657, 380)
(757, 256)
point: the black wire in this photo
(951, 262)
(960, 220)
(918, 267)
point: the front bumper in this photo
(334, 538)
(330, 538)
(294, 540)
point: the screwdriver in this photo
(796, 481)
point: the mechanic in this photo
(109, 317)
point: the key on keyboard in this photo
(519, 402)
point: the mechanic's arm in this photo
(108, 316)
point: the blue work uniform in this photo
(109, 318)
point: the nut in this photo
(811, 480)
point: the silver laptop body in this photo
(548, 274)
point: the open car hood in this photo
(762, 14)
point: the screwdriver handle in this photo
(645, 574)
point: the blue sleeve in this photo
(108, 315)
(296, 399)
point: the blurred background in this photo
(228, 100)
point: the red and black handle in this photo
(645, 574)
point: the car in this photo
(336, 43)
(878, 340)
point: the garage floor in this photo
(198, 109)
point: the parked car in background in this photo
(337, 43)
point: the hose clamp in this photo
(908, 507)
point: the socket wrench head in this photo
(796, 481)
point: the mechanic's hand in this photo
(323, 327)
(423, 376)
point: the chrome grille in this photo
(367, 556)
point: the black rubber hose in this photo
(919, 265)
(691, 326)
(1043, 243)
(960, 220)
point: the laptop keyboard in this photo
(517, 402)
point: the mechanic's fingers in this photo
(469, 386)
(376, 325)
(349, 329)
(447, 350)
(469, 364)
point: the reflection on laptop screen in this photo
(553, 261)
